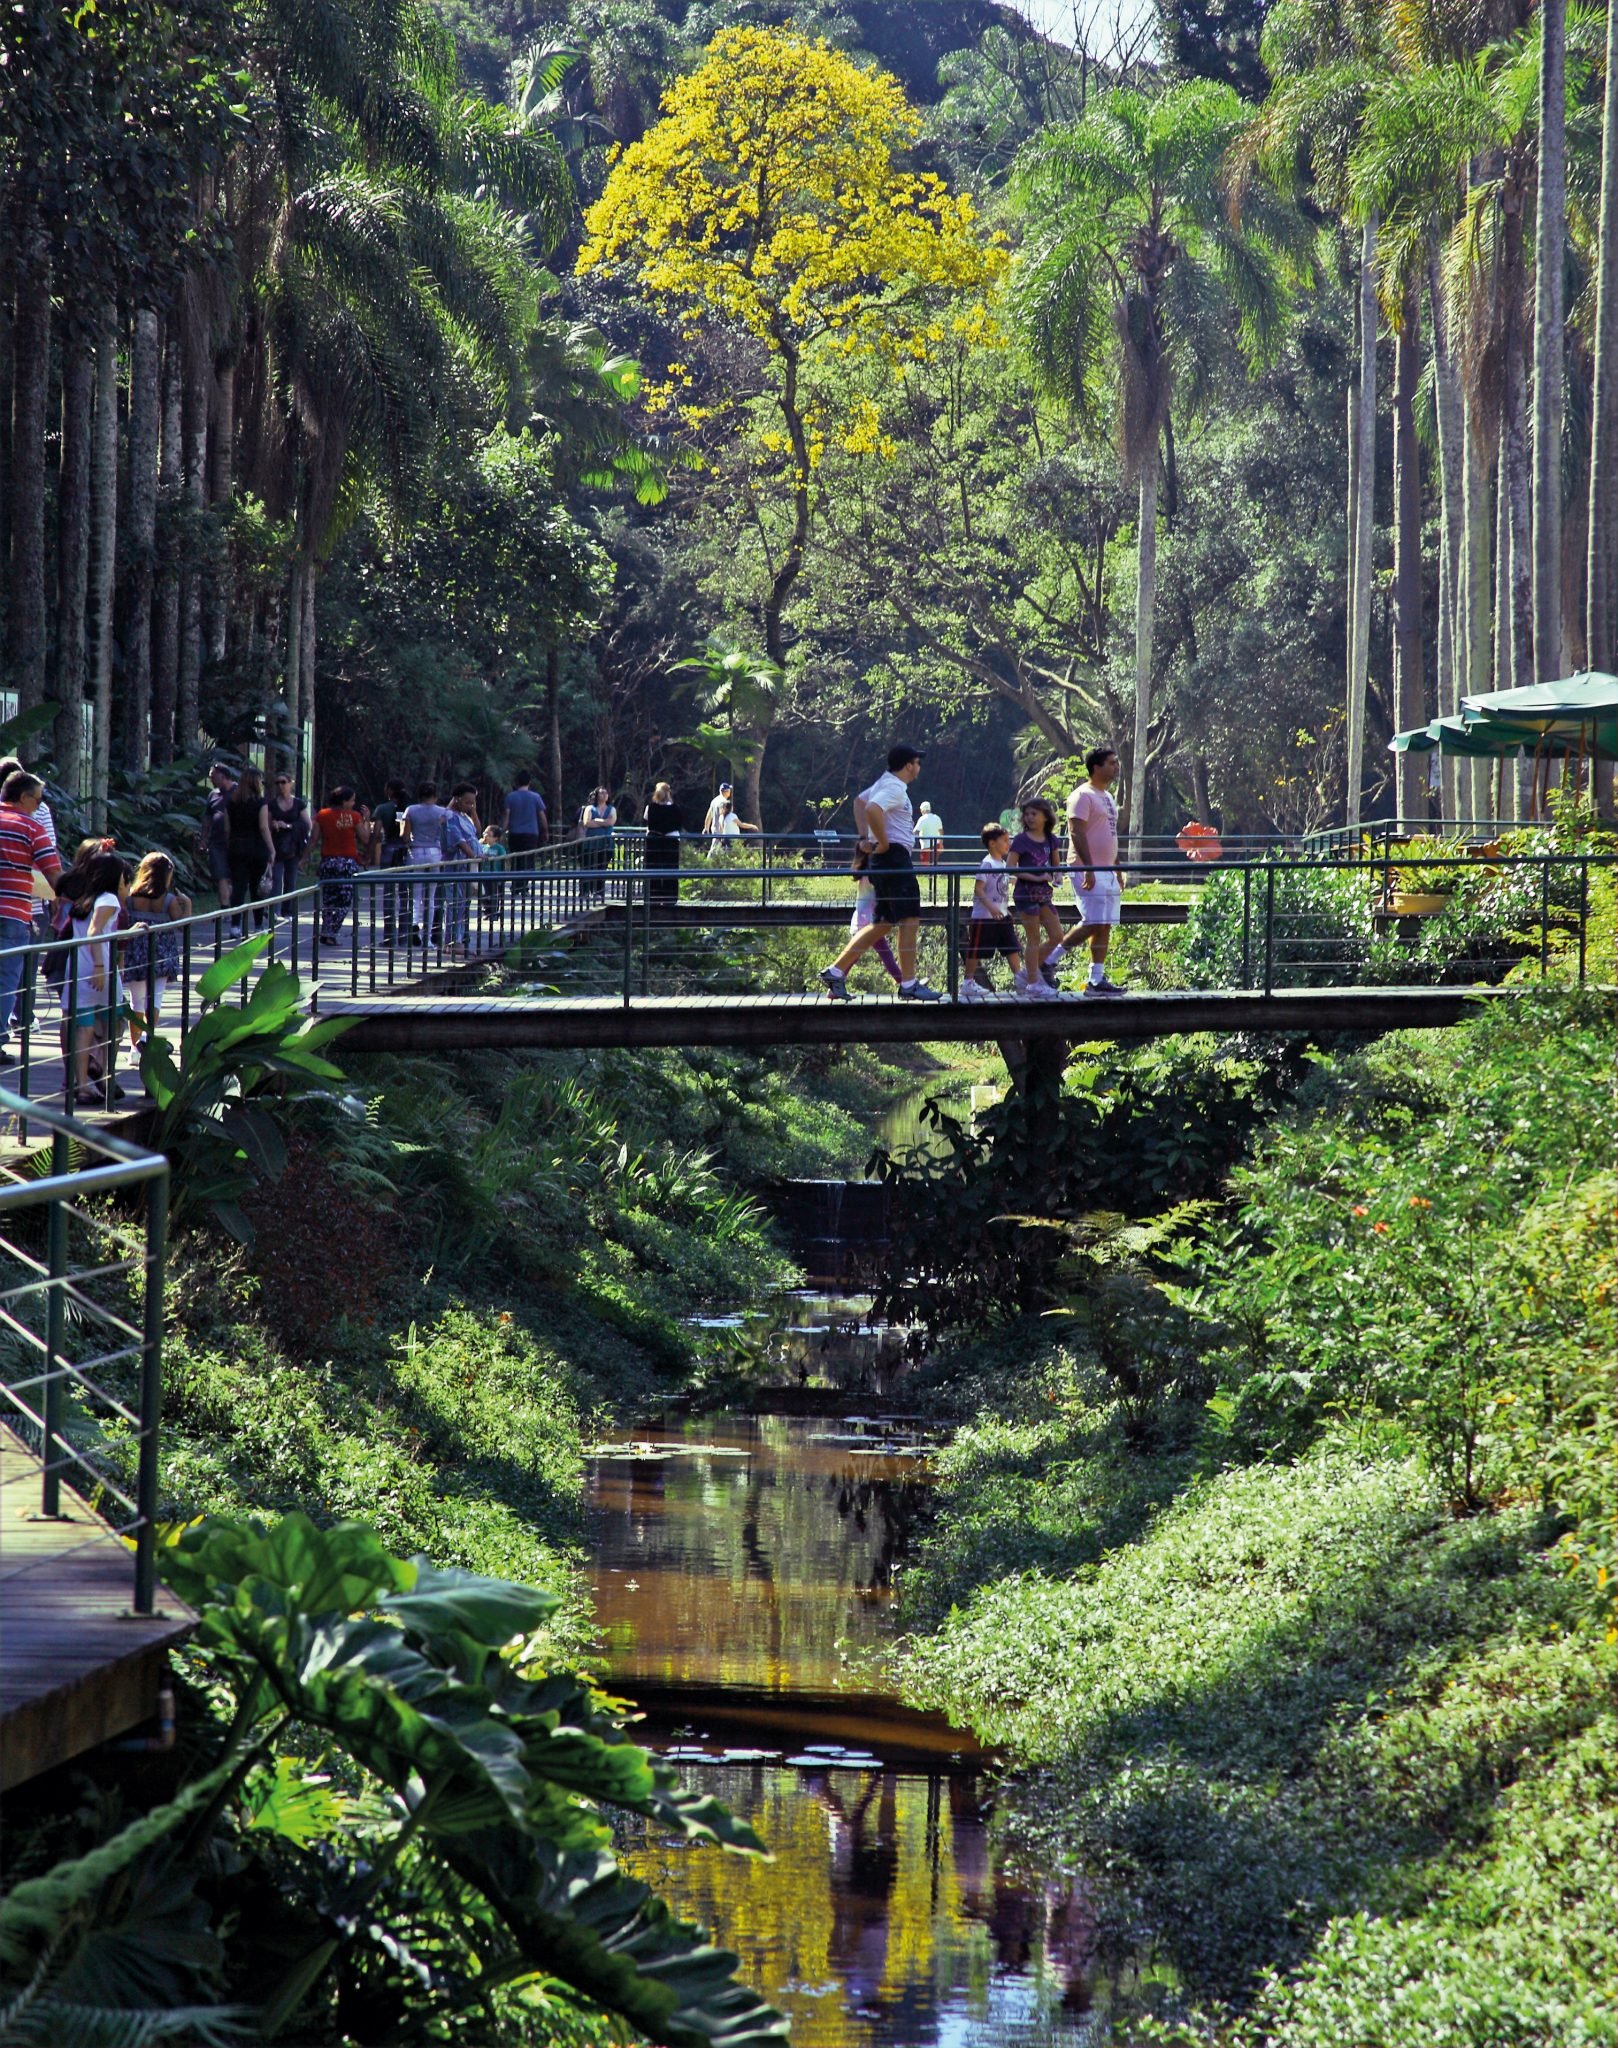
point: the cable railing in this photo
(82, 1249)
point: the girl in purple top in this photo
(1034, 858)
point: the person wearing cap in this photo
(887, 832)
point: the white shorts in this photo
(1101, 905)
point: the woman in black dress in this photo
(663, 830)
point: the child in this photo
(990, 928)
(152, 953)
(95, 895)
(865, 913)
(1036, 856)
(493, 862)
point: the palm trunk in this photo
(1145, 616)
(1601, 571)
(104, 549)
(1504, 642)
(166, 613)
(1363, 466)
(72, 553)
(1514, 444)
(1452, 489)
(553, 733)
(144, 360)
(1549, 241)
(292, 667)
(307, 722)
(195, 582)
(1478, 662)
(30, 386)
(221, 445)
(1409, 691)
(753, 780)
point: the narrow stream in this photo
(742, 1577)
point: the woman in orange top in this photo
(342, 831)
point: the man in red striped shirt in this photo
(25, 844)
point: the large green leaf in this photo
(231, 968)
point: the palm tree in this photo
(1550, 235)
(1134, 274)
(744, 690)
(1325, 59)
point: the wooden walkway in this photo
(405, 1023)
(77, 1667)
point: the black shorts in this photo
(990, 935)
(898, 893)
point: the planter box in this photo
(1413, 903)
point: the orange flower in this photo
(1360, 1209)
(1381, 1227)
(1419, 1202)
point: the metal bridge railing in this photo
(82, 1249)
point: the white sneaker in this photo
(974, 991)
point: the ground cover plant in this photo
(1307, 1642)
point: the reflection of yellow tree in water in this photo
(862, 1906)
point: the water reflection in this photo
(742, 1577)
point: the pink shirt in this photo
(1098, 814)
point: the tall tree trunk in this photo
(1514, 439)
(1452, 515)
(1200, 799)
(30, 387)
(73, 552)
(166, 612)
(1601, 561)
(1145, 618)
(8, 287)
(308, 722)
(790, 566)
(194, 578)
(103, 558)
(290, 723)
(1409, 687)
(1505, 646)
(753, 780)
(221, 456)
(1363, 466)
(144, 412)
(1477, 669)
(553, 734)
(1549, 242)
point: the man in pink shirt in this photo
(25, 844)
(1098, 882)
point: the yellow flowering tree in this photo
(771, 202)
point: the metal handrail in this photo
(62, 1193)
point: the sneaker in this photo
(837, 985)
(974, 991)
(1039, 990)
(919, 992)
(1103, 987)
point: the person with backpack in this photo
(25, 845)
(152, 950)
(424, 843)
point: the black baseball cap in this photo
(901, 757)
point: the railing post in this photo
(1247, 926)
(56, 1265)
(952, 937)
(629, 945)
(1269, 927)
(1544, 918)
(185, 984)
(646, 932)
(70, 1061)
(354, 937)
(151, 1394)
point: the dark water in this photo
(742, 1579)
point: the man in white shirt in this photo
(1098, 882)
(714, 823)
(887, 835)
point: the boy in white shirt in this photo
(990, 929)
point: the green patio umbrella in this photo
(1581, 709)
(1484, 740)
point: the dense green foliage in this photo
(457, 1880)
(1309, 1628)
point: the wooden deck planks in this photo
(77, 1667)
